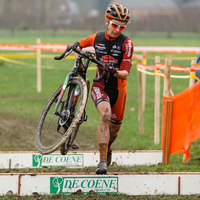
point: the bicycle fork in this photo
(72, 99)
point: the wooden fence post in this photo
(167, 78)
(157, 105)
(168, 112)
(144, 61)
(192, 79)
(140, 104)
(39, 73)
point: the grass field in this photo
(21, 105)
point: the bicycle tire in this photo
(49, 134)
(65, 147)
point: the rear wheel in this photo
(52, 131)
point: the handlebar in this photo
(68, 51)
(71, 48)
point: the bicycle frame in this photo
(75, 91)
(75, 71)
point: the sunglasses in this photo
(116, 25)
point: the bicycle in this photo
(64, 112)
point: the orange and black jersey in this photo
(109, 49)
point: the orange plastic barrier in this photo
(196, 66)
(60, 47)
(185, 119)
(174, 67)
(17, 47)
(42, 46)
(149, 67)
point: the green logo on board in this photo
(85, 184)
(36, 160)
(69, 160)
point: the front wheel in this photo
(52, 131)
(65, 147)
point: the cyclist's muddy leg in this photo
(103, 133)
(114, 130)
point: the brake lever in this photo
(67, 53)
(68, 50)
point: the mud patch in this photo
(18, 134)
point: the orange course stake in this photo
(167, 131)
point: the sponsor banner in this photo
(69, 160)
(101, 184)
